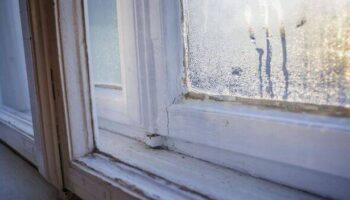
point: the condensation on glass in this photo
(297, 51)
(103, 41)
(14, 91)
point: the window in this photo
(274, 50)
(112, 66)
(104, 57)
(104, 42)
(240, 85)
(16, 124)
(13, 77)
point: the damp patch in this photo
(296, 51)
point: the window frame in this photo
(78, 137)
(165, 111)
(251, 155)
(132, 112)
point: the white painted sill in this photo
(110, 103)
(19, 121)
(16, 130)
(301, 150)
(162, 174)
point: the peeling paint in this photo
(140, 171)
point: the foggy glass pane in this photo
(104, 44)
(297, 51)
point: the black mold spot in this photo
(301, 23)
(236, 71)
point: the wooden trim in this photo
(74, 120)
(90, 185)
(41, 54)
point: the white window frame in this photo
(214, 131)
(129, 112)
(263, 142)
(77, 103)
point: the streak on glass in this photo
(296, 51)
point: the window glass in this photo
(297, 51)
(13, 73)
(103, 40)
(104, 59)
